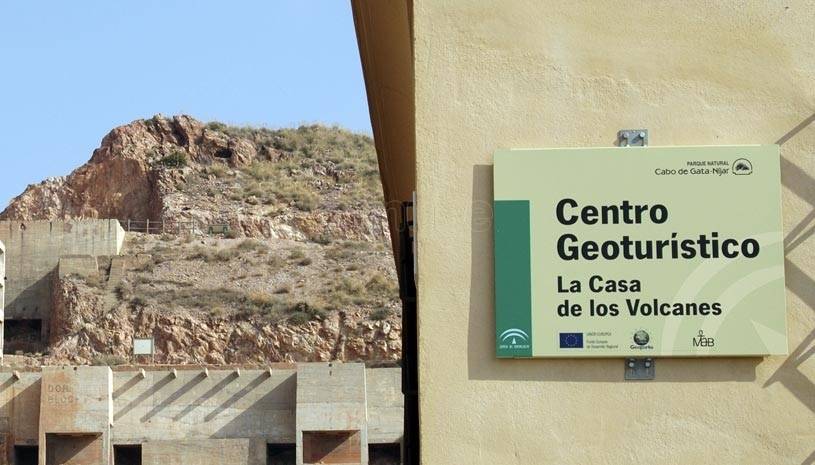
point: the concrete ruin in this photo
(2, 295)
(35, 249)
(287, 414)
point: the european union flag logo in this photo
(571, 340)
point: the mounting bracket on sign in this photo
(636, 368)
(632, 138)
(639, 369)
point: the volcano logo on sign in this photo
(742, 166)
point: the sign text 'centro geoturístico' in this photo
(654, 251)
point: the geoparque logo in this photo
(641, 340)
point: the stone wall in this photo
(33, 251)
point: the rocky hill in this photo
(272, 246)
(311, 182)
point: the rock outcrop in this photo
(129, 178)
(84, 329)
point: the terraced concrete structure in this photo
(192, 415)
(34, 249)
(2, 295)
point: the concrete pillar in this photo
(332, 422)
(76, 415)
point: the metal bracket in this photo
(632, 138)
(639, 369)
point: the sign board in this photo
(639, 252)
(143, 346)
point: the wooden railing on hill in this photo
(173, 227)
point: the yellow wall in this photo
(533, 73)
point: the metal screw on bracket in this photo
(632, 138)
(640, 369)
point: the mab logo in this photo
(702, 341)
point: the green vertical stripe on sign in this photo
(513, 279)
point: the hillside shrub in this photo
(174, 160)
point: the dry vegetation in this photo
(277, 281)
(308, 168)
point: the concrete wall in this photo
(76, 400)
(386, 405)
(178, 414)
(331, 397)
(192, 406)
(2, 295)
(524, 73)
(20, 406)
(214, 451)
(82, 265)
(33, 250)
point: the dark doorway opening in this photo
(281, 454)
(127, 454)
(385, 454)
(22, 335)
(26, 455)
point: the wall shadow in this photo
(25, 413)
(237, 396)
(809, 460)
(276, 407)
(33, 302)
(73, 448)
(207, 395)
(127, 386)
(482, 363)
(7, 400)
(142, 397)
(172, 398)
(798, 281)
(794, 131)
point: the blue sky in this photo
(71, 71)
